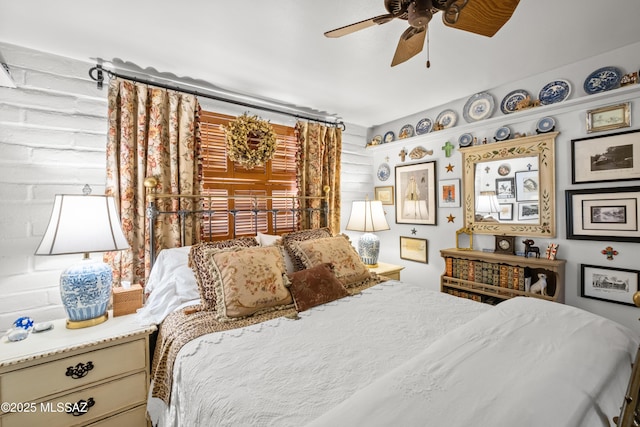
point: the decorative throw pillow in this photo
(290, 239)
(314, 286)
(198, 262)
(337, 250)
(271, 239)
(247, 281)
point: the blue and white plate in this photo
(545, 124)
(602, 79)
(424, 126)
(503, 133)
(389, 137)
(510, 102)
(447, 119)
(465, 140)
(555, 91)
(406, 132)
(478, 107)
(384, 172)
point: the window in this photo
(223, 178)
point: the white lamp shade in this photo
(487, 202)
(82, 224)
(368, 216)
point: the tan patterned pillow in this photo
(337, 250)
(248, 281)
(314, 286)
(290, 239)
(198, 263)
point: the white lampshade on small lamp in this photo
(84, 224)
(368, 216)
(488, 204)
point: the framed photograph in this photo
(449, 193)
(416, 194)
(609, 118)
(505, 188)
(613, 157)
(609, 283)
(384, 194)
(609, 214)
(413, 249)
(527, 186)
(506, 212)
(528, 211)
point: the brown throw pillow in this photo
(289, 239)
(315, 286)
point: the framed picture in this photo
(603, 214)
(416, 193)
(609, 118)
(613, 157)
(384, 194)
(413, 249)
(528, 211)
(527, 186)
(449, 193)
(609, 283)
(506, 212)
(505, 188)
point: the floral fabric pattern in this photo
(289, 239)
(315, 286)
(152, 132)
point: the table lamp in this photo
(84, 224)
(368, 216)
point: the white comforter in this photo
(404, 356)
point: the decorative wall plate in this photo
(503, 133)
(376, 140)
(602, 79)
(447, 119)
(509, 102)
(384, 172)
(406, 132)
(555, 91)
(478, 107)
(465, 140)
(545, 124)
(424, 126)
(389, 136)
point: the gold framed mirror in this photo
(509, 187)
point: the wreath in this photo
(245, 130)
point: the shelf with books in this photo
(491, 277)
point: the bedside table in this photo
(390, 271)
(65, 377)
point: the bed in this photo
(338, 346)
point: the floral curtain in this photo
(319, 167)
(153, 132)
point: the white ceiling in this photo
(276, 49)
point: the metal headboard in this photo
(153, 212)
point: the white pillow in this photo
(171, 284)
(270, 239)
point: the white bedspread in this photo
(288, 372)
(525, 363)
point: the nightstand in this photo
(390, 271)
(65, 377)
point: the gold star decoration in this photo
(449, 168)
(450, 218)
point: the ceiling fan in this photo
(484, 17)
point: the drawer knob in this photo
(79, 371)
(81, 407)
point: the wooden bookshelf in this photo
(491, 278)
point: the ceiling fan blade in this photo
(352, 28)
(484, 17)
(410, 44)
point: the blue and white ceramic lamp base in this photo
(85, 289)
(369, 249)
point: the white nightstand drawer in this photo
(107, 398)
(36, 382)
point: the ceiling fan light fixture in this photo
(419, 13)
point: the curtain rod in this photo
(99, 78)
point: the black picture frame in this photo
(611, 284)
(505, 188)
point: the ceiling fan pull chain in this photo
(428, 62)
